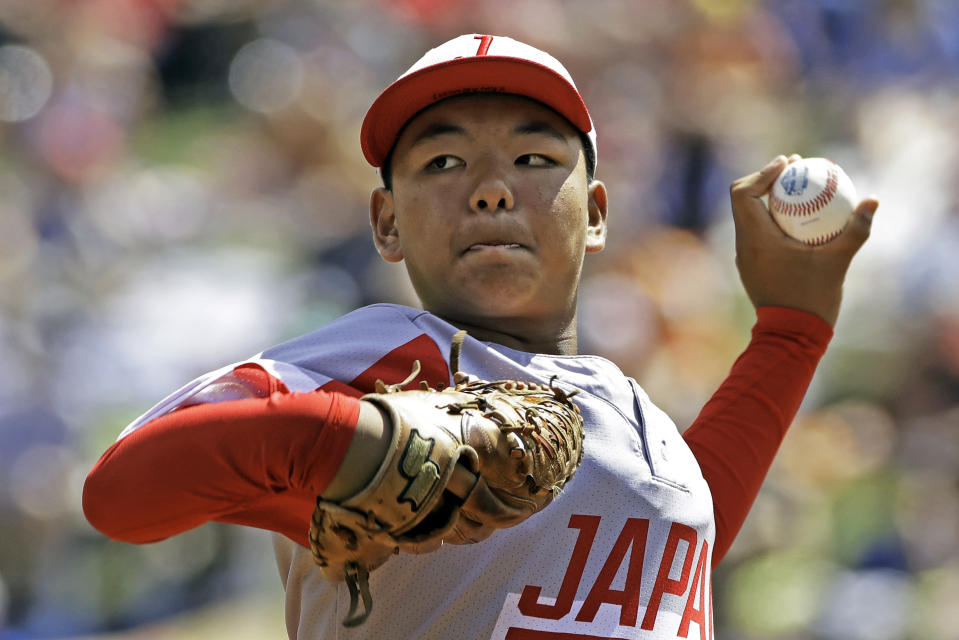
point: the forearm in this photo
(736, 435)
(250, 461)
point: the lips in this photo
(482, 246)
(494, 238)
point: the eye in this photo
(445, 161)
(534, 160)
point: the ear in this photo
(385, 234)
(596, 223)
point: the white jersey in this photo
(623, 552)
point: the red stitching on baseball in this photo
(819, 240)
(809, 207)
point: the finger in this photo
(749, 211)
(757, 184)
(857, 231)
(793, 158)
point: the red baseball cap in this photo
(472, 63)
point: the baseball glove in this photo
(464, 461)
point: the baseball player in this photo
(487, 154)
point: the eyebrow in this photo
(540, 128)
(439, 129)
(436, 130)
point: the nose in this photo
(491, 194)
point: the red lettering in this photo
(631, 539)
(529, 604)
(664, 584)
(711, 609)
(691, 613)
(485, 42)
(518, 633)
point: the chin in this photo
(490, 293)
(481, 307)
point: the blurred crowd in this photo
(181, 186)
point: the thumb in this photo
(857, 231)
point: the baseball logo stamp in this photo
(795, 179)
(812, 200)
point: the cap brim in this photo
(478, 74)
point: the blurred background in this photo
(181, 186)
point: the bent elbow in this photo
(99, 506)
(111, 509)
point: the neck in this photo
(522, 334)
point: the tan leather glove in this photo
(463, 462)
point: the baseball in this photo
(812, 200)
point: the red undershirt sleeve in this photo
(738, 432)
(259, 462)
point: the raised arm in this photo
(797, 290)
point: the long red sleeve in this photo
(736, 435)
(259, 462)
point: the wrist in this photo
(780, 319)
(366, 452)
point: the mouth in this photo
(493, 246)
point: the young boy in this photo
(487, 153)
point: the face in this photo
(491, 210)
